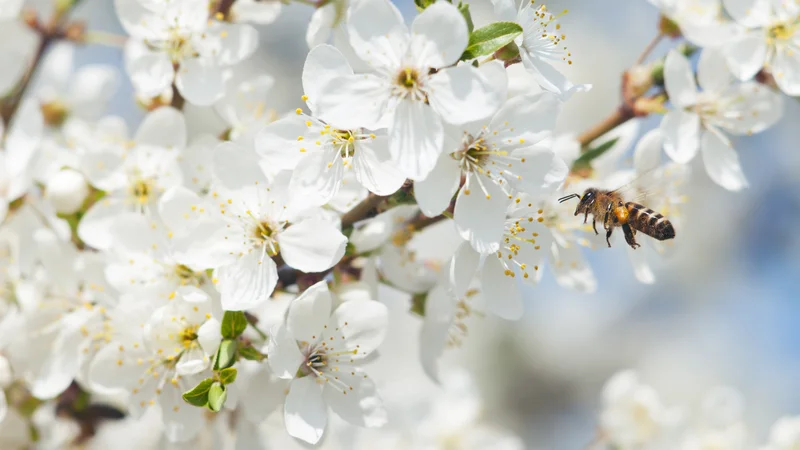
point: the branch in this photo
(361, 210)
(617, 117)
(53, 30)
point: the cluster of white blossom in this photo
(633, 416)
(173, 274)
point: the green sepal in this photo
(226, 354)
(251, 354)
(233, 324)
(491, 38)
(216, 396)
(198, 395)
(585, 160)
(227, 376)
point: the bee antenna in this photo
(567, 197)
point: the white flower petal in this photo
(208, 335)
(525, 120)
(256, 11)
(92, 87)
(550, 78)
(95, 226)
(312, 245)
(679, 80)
(415, 138)
(238, 43)
(377, 33)
(24, 136)
(266, 394)
(463, 94)
(786, 69)
(480, 219)
(248, 282)
(357, 403)
(542, 171)
(463, 269)
(712, 71)
(374, 170)
(304, 412)
(681, 131)
(505, 300)
(353, 101)
(61, 365)
(434, 193)
(647, 155)
(151, 73)
(201, 83)
(320, 25)
(750, 13)
(314, 182)
(236, 167)
(309, 313)
(182, 422)
(745, 56)
(106, 371)
(438, 36)
(440, 308)
(358, 327)
(323, 63)
(571, 269)
(191, 363)
(279, 143)
(284, 355)
(722, 162)
(164, 127)
(756, 107)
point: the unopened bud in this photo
(66, 190)
(55, 113)
(509, 52)
(76, 32)
(669, 27)
(640, 80)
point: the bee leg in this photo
(605, 219)
(608, 236)
(630, 236)
(594, 225)
(586, 217)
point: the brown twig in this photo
(362, 210)
(650, 47)
(620, 115)
(56, 28)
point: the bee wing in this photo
(646, 187)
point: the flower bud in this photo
(67, 190)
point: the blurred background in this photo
(724, 307)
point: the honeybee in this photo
(616, 212)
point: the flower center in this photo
(55, 113)
(188, 335)
(265, 235)
(408, 78)
(781, 32)
(140, 190)
(188, 276)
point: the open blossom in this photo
(133, 178)
(156, 355)
(321, 155)
(412, 89)
(522, 249)
(496, 160)
(541, 44)
(21, 147)
(246, 223)
(321, 349)
(177, 42)
(633, 414)
(769, 39)
(244, 109)
(784, 434)
(699, 119)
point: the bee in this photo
(616, 212)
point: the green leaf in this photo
(233, 324)
(489, 39)
(586, 158)
(422, 4)
(463, 8)
(198, 395)
(227, 376)
(216, 396)
(251, 354)
(226, 354)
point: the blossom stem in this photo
(650, 47)
(488, 59)
(620, 115)
(104, 38)
(361, 210)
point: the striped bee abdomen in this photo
(649, 222)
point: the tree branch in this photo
(361, 210)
